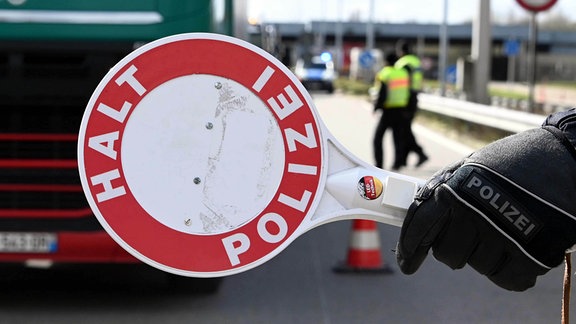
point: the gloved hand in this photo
(507, 210)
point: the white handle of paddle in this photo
(389, 206)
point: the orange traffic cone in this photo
(364, 250)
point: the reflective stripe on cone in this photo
(364, 250)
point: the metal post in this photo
(443, 49)
(370, 27)
(511, 68)
(339, 39)
(321, 37)
(531, 68)
(481, 53)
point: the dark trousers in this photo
(410, 142)
(391, 118)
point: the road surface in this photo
(297, 286)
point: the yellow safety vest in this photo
(413, 62)
(398, 82)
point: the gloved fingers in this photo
(518, 273)
(489, 257)
(420, 229)
(458, 241)
(424, 221)
(471, 239)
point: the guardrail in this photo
(496, 117)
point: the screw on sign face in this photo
(202, 155)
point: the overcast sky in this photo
(423, 11)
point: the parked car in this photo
(316, 74)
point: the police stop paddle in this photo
(202, 155)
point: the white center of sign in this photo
(210, 138)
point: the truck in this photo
(53, 54)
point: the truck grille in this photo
(38, 170)
(45, 88)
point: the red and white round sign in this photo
(536, 5)
(201, 154)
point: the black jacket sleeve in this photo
(382, 95)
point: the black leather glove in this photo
(507, 210)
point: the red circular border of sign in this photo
(533, 8)
(127, 219)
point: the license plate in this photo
(28, 242)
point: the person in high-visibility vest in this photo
(393, 96)
(411, 63)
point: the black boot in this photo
(421, 159)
